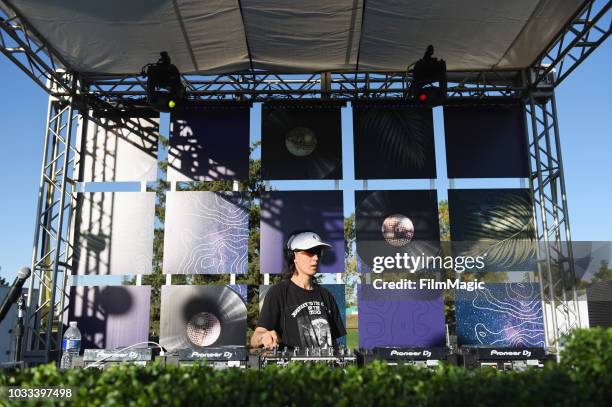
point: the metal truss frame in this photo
(52, 250)
(556, 271)
(72, 92)
(335, 85)
(580, 37)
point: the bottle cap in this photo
(72, 324)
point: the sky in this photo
(584, 110)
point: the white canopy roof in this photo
(222, 36)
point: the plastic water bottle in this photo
(71, 345)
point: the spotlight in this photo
(164, 87)
(426, 73)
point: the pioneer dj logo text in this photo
(119, 355)
(425, 353)
(205, 355)
(524, 352)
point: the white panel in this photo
(114, 233)
(114, 153)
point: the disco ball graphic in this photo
(301, 141)
(203, 329)
(397, 230)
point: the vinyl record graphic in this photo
(200, 316)
(393, 141)
(396, 222)
(301, 142)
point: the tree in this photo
(254, 186)
(350, 276)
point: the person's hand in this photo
(269, 339)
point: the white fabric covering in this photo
(119, 36)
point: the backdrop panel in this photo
(495, 223)
(301, 141)
(209, 144)
(206, 233)
(400, 317)
(110, 316)
(120, 150)
(486, 141)
(199, 316)
(391, 222)
(284, 212)
(114, 233)
(502, 314)
(336, 290)
(393, 141)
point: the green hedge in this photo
(575, 382)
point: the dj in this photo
(297, 312)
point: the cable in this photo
(162, 352)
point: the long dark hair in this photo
(289, 269)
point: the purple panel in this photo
(209, 145)
(400, 317)
(110, 316)
(288, 211)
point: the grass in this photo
(352, 338)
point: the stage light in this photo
(164, 87)
(429, 80)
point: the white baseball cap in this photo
(305, 241)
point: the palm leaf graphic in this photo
(503, 229)
(401, 135)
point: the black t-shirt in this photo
(304, 318)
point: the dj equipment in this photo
(396, 356)
(220, 357)
(103, 358)
(504, 358)
(340, 357)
